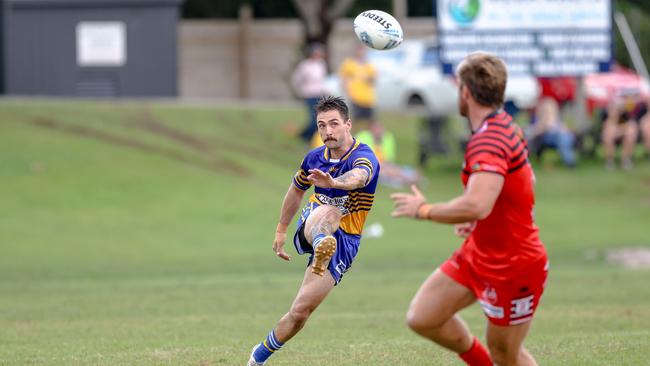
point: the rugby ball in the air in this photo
(378, 30)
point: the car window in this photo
(431, 57)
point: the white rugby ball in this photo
(378, 30)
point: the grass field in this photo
(140, 234)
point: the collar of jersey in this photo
(488, 117)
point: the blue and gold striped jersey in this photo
(354, 204)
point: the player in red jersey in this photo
(502, 262)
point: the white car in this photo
(410, 76)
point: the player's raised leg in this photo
(319, 227)
(432, 314)
(506, 345)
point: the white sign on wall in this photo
(101, 43)
(540, 37)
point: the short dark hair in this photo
(485, 76)
(329, 103)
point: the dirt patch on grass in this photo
(145, 121)
(629, 257)
(213, 164)
(211, 147)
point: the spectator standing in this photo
(308, 81)
(358, 78)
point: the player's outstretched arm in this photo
(290, 206)
(353, 179)
(476, 203)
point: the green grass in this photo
(140, 234)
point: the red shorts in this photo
(504, 303)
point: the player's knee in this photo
(299, 314)
(502, 355)
(421, 324)
(413, 322)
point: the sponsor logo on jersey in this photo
(521, 310)
(490, 294)
(338, 202)
(492, 311)
(340, 268)
(484, 167)
(521, 307)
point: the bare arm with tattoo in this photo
(355, 178)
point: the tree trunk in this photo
(318, 18)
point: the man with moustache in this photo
(344, 173)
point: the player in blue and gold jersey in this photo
(344, 174)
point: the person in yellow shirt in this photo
(358, 79)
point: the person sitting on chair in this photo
(620, 125)
(550, 132)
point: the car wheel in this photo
(416, 104)
(415, 101)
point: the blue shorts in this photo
(359, 112)
(347, 245)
